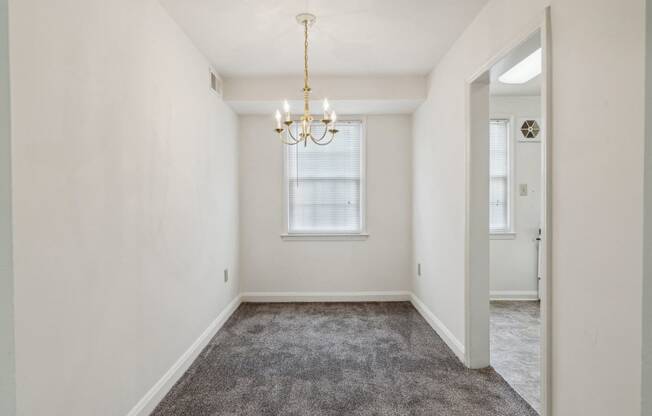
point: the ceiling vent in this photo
(216, 83)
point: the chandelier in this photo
(304, 129)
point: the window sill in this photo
(502, 236)
(324, 237)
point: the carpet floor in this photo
(323, 359)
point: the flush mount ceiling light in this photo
(523, 71)
(304, 131)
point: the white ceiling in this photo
(350, 37)
(532, 87)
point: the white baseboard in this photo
(152, 398)
(444, 333)
(514, 295)
(389, 296)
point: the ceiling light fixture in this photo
(523, 71)
(304, 129)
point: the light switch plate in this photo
(522, 189)
(226, 275)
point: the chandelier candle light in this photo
(304, 129)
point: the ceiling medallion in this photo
(304, 130)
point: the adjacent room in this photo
(515, 218)
(325, 208)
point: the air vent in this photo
(216, 83)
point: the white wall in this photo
(349, 94)
(125, 192)
(351, 88)
(439, 154)
(7, 368)
(380, 263)
(125, 201)
(513, 262)
(597, 174)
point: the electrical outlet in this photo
(418, 269)
(226, 275)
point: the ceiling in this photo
(532, 87)
(350, 37)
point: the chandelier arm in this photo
(322, 136)
(318, 143)
(290, 143)
(295, 139)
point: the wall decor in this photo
(529, 130)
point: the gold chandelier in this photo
(304, 130)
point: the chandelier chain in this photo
(305, 56)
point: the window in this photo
(499, 177)
(324, 184)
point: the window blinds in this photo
(499, 176)
(324, 182)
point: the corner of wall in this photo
(7, 355)
(646, 347)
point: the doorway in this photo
(515, 179)
(507, 292)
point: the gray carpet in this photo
(335, 359)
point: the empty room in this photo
(325, 208)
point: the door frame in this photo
(476, 280)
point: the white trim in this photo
(545, 284)
(324, 237)
(363, 185)
(444, 333)
(476, 225)
(363, 171)
(502, 236)
(514, 295)
(384, 296)
(152, 398)
(542, 24)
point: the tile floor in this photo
(515, 346)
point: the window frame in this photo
(509, 232)
(362, 234)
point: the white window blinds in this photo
(499, 169)
(324, 182)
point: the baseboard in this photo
(444, 333)
(149, 401)
(389, 296)
(514, 295)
